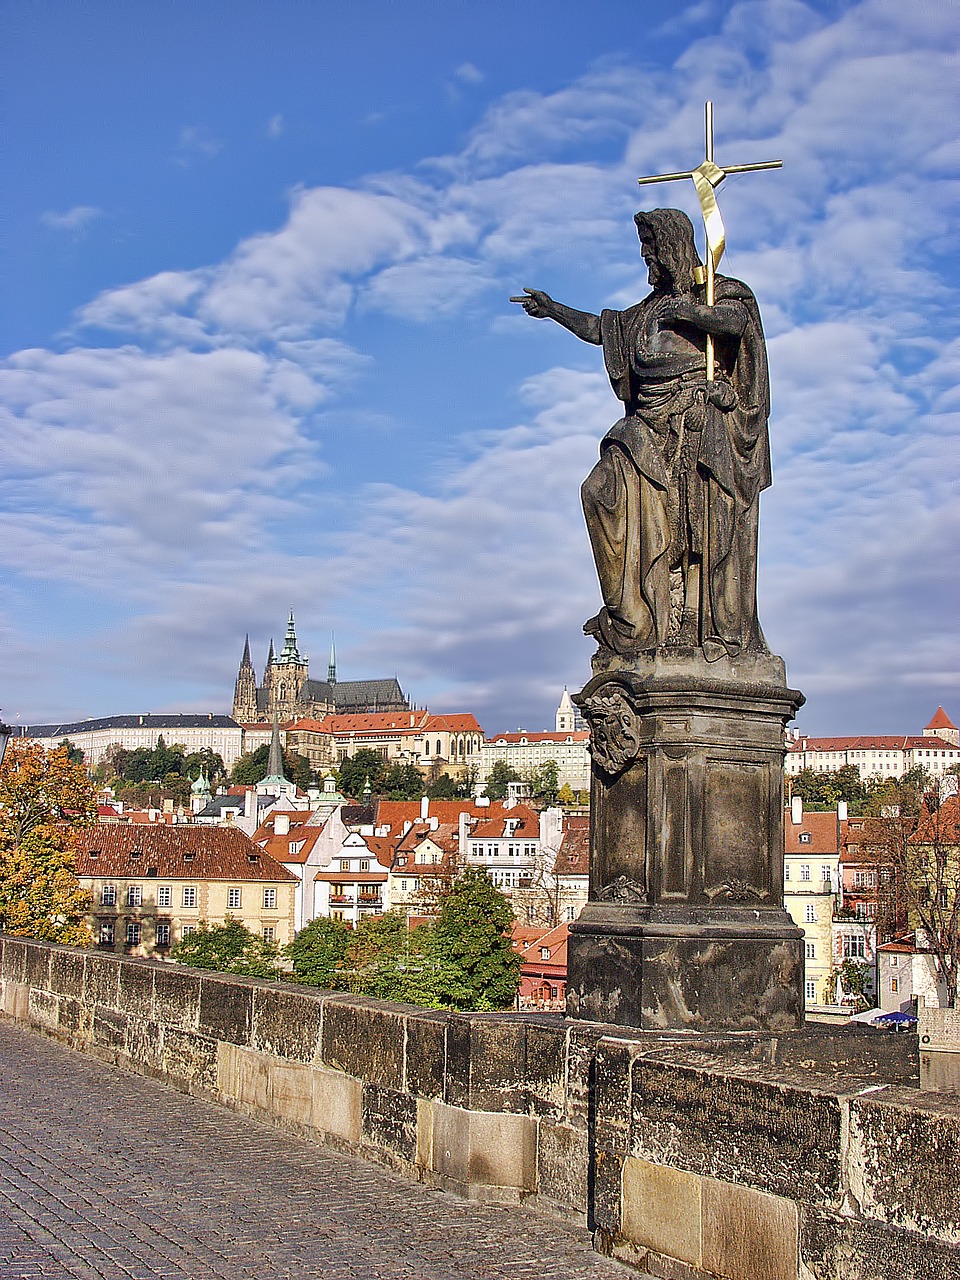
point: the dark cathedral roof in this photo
(169, 721)
(365, 695)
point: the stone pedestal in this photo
(685, 925)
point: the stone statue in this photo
(671, 507)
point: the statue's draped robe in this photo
(680, 480)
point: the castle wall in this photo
(750, 1157)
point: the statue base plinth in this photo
(685, 927)
(661, 973)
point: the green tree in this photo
(252, 767)
(402, 782)
(46, 801)
(229, 948)
(498, 779)
(209, 763)
(354, 771)
(565, 795)
(318, 951)
(545, 782)
(477, 967)
(823, 790)
(74, 754)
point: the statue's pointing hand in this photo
(536, 303)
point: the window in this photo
(163, 934)
(825, 874)
(805, 837)
(268, 933)
(189, 895)
(364, 864)
(571, 913)
(810, 913)
(810, 989)
(403, 886)
(134, 895)
(188, 929)
(106, 933)
(164, 895)
(894, 984)
(234, 897)
(863, 879)
(894, 962)
(108, 895)
(811, 950)
(133, 933)
(344, 864)
(805, 871)
(544, 953)
(786, 871)
(854, 948)
(270, 899)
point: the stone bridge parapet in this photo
(807, 1156)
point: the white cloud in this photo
(467, 73)
(276, 126)
(196, 142)
(77, 219)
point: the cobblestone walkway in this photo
(109, 1176)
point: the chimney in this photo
(407, 824)
(796, 810)
(281, 824)
(250, 803)
(841, 810)
(424, 808)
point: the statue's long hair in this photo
(671, 232)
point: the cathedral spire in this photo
(332, 665)
(245, 660)
(270, 655)
(290, 652)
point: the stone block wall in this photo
(809, 1156)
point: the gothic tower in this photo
(288, 672)
(245, 692)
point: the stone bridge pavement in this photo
(110, 1176)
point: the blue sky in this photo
(258, 354)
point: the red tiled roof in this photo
(943, 825)
(573, 858)
(493, 827)
(875, 742)
(462, 722)
(375, 722)
(213, 853)
(940, 720)
(821, 826)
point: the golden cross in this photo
(706, 178)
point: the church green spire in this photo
(290, 652)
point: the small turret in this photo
(332, 665)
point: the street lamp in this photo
(5, 732)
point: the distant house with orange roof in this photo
(152, 884)
(417, 737)
(936, 750)
(543, 973)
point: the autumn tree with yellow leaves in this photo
(46, 800)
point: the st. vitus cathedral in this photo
(288, 693)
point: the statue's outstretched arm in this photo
(541, 306)
(729, 318)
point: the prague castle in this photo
(288, 693)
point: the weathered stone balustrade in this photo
(812, 1156)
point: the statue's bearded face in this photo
(656, 276)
